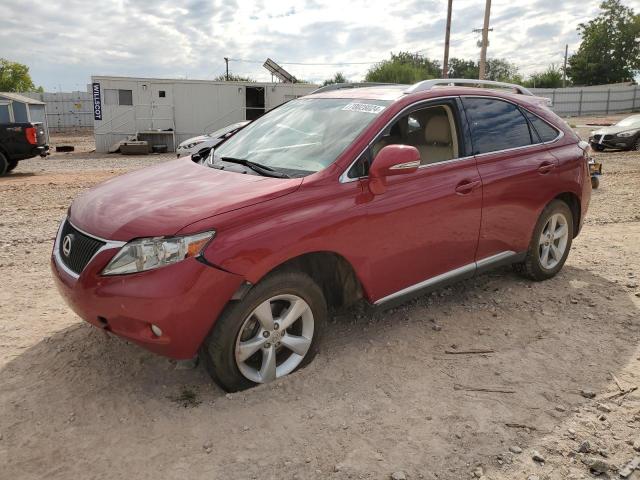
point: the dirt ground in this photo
(383, 397)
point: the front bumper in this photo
(183, 299)
(611, 141)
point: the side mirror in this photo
(392, 160)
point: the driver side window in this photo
(432, 130)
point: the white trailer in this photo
(168, 111)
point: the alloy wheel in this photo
(553, 241)
(274, 338)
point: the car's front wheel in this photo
(550, 243)
(271, 332)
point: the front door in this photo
(424, 228)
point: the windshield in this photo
(630, 121)
(304, 135)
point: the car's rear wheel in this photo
(550, 244)
(270, 333)
(13, 164)
(4, 164)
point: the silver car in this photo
(624, 135)
(195, 144)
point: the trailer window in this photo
(125, 97)
(114, 96)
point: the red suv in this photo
(376, 194)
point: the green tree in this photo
(550, 78)
(404, 67)
(233, 78)
(501, 70)
(610, 48)
(337, 78)
(14, 77)
(460, 68)
(498, 69)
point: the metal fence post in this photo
(553, 98)
(580, 103)
(608, 97)
(635, 92)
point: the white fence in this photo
(66, 110)
(597, 100)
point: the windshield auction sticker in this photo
(363, 107)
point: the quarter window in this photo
(496, 125)
(545, 131)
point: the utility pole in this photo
(226, 60)
(447, 36)
(485, 41)
(564, 70)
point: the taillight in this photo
(32, 136)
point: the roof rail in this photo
(429, 84)
(340, 86)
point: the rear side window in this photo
(496, 125)
(545, 131)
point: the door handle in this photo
(546, 167)
(465, 187)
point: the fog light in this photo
(156, 330)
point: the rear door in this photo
(517, 174)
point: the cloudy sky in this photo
(64, 42)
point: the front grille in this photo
(79, 248)
(596, 138)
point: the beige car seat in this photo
(438, 142)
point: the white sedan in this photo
(195, 144)
(624, 135)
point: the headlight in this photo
(191, 145)
(628, 133)
(150, 253)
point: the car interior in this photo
(431, 130)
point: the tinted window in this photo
(20, 112)
(4, 114)
(545, 131)
(496, 125)
(125, 97)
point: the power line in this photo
(303, 63)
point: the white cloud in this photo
(73, 39)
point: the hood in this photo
(199, 138)
(613, 129)
(163, 199)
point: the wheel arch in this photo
(573, 202)
(334, 274)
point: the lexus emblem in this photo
(66, 244)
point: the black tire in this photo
(218, 350)
(636, 145)
(597, 147)
(12, 164)
(532, 267)
(4, 164)
(595, 182)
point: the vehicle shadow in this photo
(383, 394)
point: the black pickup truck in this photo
(19, 141)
